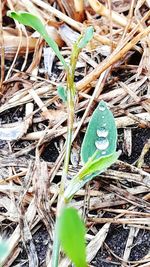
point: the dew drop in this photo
(102, 132)
(101, 108)
(102, 144)
(103, 152)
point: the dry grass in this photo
(115, 67)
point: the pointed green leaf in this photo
(3, 248)
(62, 93)
(34, 22)
(86, 37)
(101, 134)
(99, 165)
(88, 171)
(72, 236)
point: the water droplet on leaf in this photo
(102, 144)
(101, 108)
(102, 132)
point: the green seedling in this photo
(69, 94)
(71, 231)
(84, 40)
(98, 151)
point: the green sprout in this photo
(98, 151)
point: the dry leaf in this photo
(54, 116)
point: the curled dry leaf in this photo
(12, 41)
(68, 35)
(49, 56)
(54, 116)
(14, 132)
(11, 210)
(74, 9)
(103, 11)
(54, 34)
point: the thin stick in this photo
(71, 93)
(114, 57)
(2, 48)
(79, 5)
(103, 11)
(120, 221)
(19, 45)
(98, 89)
(75, 24)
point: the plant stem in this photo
(71, 107)
(71, 92)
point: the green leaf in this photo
(62, 93)
(86, 37)
(97, 166)
(98, 151)
(72, 231)
(34, 22)
(3, 248)
(101, 134)
(88, 171)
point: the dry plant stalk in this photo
(103, 11)
(74, 24)
(79, 8)
(109, 61)
(2, 49)
(79, 5)
(121, 221)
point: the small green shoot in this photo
(68, 95)
(86, 38)
(34, 22)
(72, 232)
(62, 93)
(87, 172)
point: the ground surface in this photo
(33, 123)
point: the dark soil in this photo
(41, 240)
(139, 137)
(117, 236)
(113, 248)
(116, 240)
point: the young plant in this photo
(98, 150)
